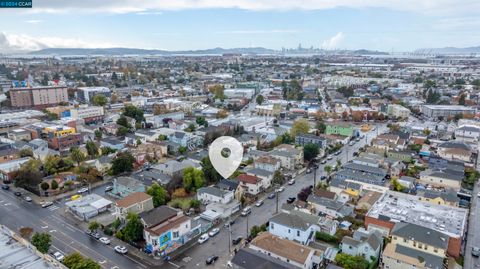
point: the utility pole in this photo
(247, 226)
(315, 176)
(276, 198)
(229, 236)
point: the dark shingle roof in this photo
(158, 215)
(247, 258)
(421, 234)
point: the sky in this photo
(385, 25)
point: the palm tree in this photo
(328, 169)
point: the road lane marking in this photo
(176, 265)
(44, 227)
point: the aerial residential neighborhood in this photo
(329, 157)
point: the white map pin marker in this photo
(226, 154)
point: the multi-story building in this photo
(62, 138)
(303, 139)
(435, 111)
(90, 114)
(341, 128)
(398, 111)
(38, 97)
(86, 94)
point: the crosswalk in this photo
(53, 207)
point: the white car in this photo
(58, 256)
(259, 203)
(28, 198)
(291, 182)
(104, 240)
(213, 232)
(47, 204)
(280, 189)
(82, 190)
(121, 249)
(203, 238)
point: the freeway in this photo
(16, 213)
(220, 244)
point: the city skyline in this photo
(192, 25)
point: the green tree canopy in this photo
(92, 148)
(42, 241)
(351, 262)
(158, 193)
(122, 163)
(44, 186)
(300, 126)
(133, 230)
(193, 179)
(133, 112)
(260, 99)
(76, 155)
(25, 152)
(54, 184)
(211, 174)
(99, 100)
(310, 151)
(93, 225)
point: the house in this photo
(9, 154)
(265, 175)
(329, 207)
(124, 186)
(150, 175)
(231, 185)
(455, 151)
(247, 258)
(447, 197)
(136, 202)
(345, 187)
(19, 135)
(88, 206)
(251, 184)
(212, 194)
(295, 226)
(407, 182)
(112, 142)
(368, 246)
(445, 179)
(174, 168)
(414, 246)
(468, 133)
(8, 168)
(187, 140)
(267, 163)
(304, 139)
(295, 254)
(290, 157)
(166, 229)
(368, 200)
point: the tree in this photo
(122, 163)
(191, 128)
(210, 173)
(221, 114)
(328, 169)
(193, 179)
(182, 149)
(321, 127)
(278, 178)
(25, 152)
(218, 91)
(98, 134)
(76, 155)
(200, 120)
(260, 99)
(25, 232)
(346, 91)
(77, 261)
(461, 99)
(42, 241)
(92, 148)
(158, 193)
(107, 150)
(54, 184)
(29, 175)
(93, 226)
(310, 151)
(304, 193)
(133, 112)
(300, 126)
(44, 186)
(396, 185)
(122, 131)
(133, 230)
(99, 100)
(255, 230)
(351, 262)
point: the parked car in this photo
(229, 223)
(121, 249)
(5, 187)
(28, 198)
(246, 211)
(290, 200)
(58, 256)
(47, 204)
(338, 152)
(309, 171)
(291, 182)
(108, 188)
(282, 188)
(17, 193)
(329, 157)
(82, 190)
(323, 178)
(476, 252)
(323, 161)
(211, 260)
(271, 195)
(87, 231)
(96, 235)
(214, 232)
(259, 203)
(237, 240)
(105, 240)
(75, 197)
(203, 238)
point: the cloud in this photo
(34, 21)
(435, 7)
(14, 42)
(255, 32)
(149, 13)
(333, 42)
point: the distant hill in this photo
(449, 50)
(133, 51)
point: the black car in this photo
(323, 177)
(229, 223)
(5, 187)
(211, 259)
(237, 240)
(17, 193)
(291, 200)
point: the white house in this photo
(265, 175)
(251, 184)
(295, 225)
(365, 244)
(212, 194)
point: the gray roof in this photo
(373, 240)
(340, 183)
(359, 176)
(365, 168)
(158, 215)
(260, 172)
(297, 220)
(247, 258)
(328, 203)
(228, 184)
(431, 261)
(421, 234)
(455, 145)
(446, 175)
(469, 128)
(449, 196)
(212, 190)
